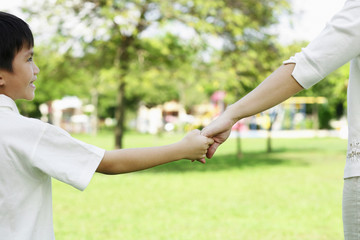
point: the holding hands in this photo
(195, 146)
(219, 130)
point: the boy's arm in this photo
(276, 88)
(193, 146)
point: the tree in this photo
(250, 51)
(119, 25)
(172, 65)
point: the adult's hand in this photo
(219, 130)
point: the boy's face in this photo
(19, 84)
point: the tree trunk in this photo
(268, 141)
(239, 153)
(94, 113)
(120, 116)
(122, 60)
(273, 116)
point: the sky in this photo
(309, 18)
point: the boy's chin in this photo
(30, 97)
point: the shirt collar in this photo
(6, 102)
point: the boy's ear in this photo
(2, 80)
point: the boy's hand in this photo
(195, 146)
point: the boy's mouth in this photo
(32, 83)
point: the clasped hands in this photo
(218, 130)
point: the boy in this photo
(31, 152)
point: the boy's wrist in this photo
(179, 150)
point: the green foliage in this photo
(325, 115)
(138, 51)
(250, 51)
(166, 67)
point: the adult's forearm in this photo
(276, 88)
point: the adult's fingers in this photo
(206, 132)
(202, 160)
(212, 149)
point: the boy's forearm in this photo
(135, 159)
(278, 87)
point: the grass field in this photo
(292, 193)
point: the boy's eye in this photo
(30, 59)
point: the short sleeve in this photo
(65, 158)
(336, 45)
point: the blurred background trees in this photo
(118, 53)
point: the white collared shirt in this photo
(31, 152)
(336, 45)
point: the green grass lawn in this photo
(292, 193)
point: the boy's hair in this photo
(14, 35)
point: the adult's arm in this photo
(336, 45)
(279, 86)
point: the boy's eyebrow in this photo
(30, 52)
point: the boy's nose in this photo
(36, 69)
